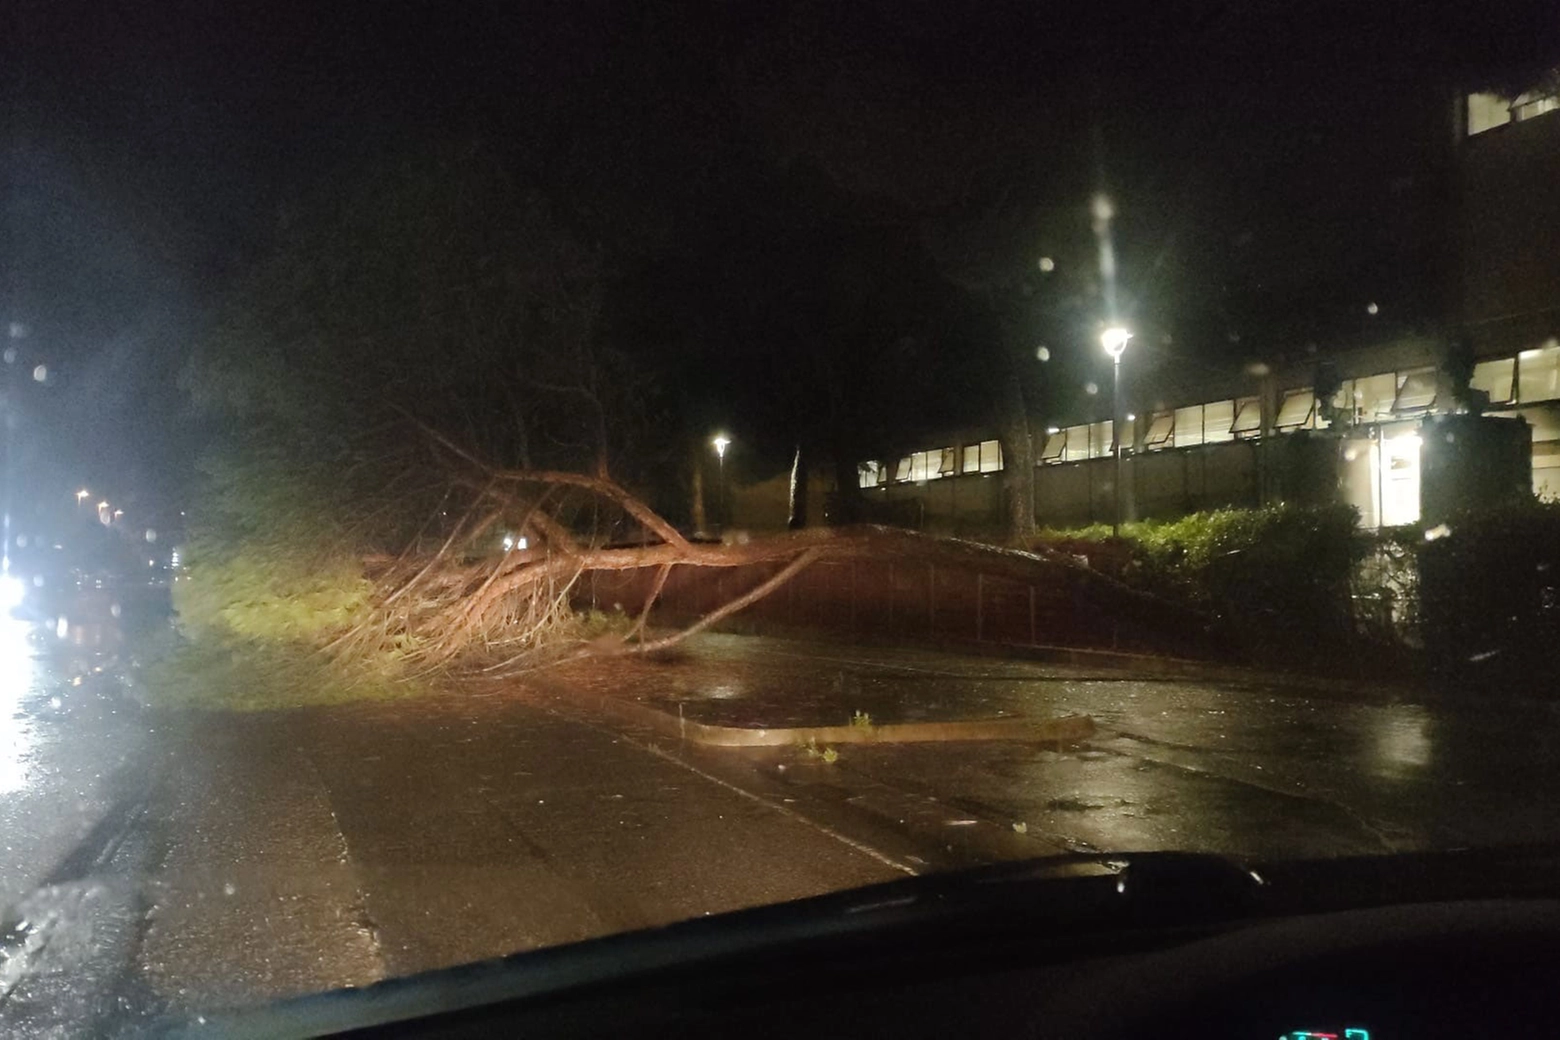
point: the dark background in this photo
(775, 186)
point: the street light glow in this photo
(720, 442)
(81, 495)
(1114, 340)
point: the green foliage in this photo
(228, 674)
(861, 720)
(1276, 578)
(278, 598)
(598, 624)
(827, 755)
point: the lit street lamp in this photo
(721, 442)
(1114, 340)
(81, 496)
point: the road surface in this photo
(202, 860)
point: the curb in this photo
(1054, 731)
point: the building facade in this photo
(1266, 434)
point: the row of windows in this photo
(1531, 376)
(985, 457)
(1487, 111)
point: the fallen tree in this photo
(498, 613)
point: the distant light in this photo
(1114, 340)
(1047, 264)
(151, 563)
(509, 542)
(151, 535)
(1053, 430)
(12, 591)
(102, 505)
(1043, 353)
(1091, 388)
(1131, 417)
(1101, 208)
(1371, 308)
(721, 442)
(40, 373)
(82, 494)
(522, 543)
(62, 627)
(1437, 532)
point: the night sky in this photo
(1273, 167)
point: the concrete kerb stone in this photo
(1066, 729)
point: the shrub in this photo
(1275, 578)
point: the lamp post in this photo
(721, 442)
(81, 496)
(1114, 340)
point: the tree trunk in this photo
(698, 497)
(797, 513)
(847, 488)
(1018, 463)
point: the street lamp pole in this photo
(721, 442)
(1114, 340)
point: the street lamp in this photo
(721, 442)
(81, 496)
(1114, 340)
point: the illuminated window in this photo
(1297, 412)
(1055, 447)
(1487, 111)
(1218, 419)
(990, 456)
(1161, 431)
(1189, 426)
(870, 474)
(1496, 378)
(1399, 486)
(1077, 443)
(902, 470)
(1538, 374)
(1248, 417)
(971, 458)
(948, 463)
(1372, 397)
(1099, 439)
(1416, 391)
(1533, 104)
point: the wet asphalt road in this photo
(163, 862)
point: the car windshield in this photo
(479, 477)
